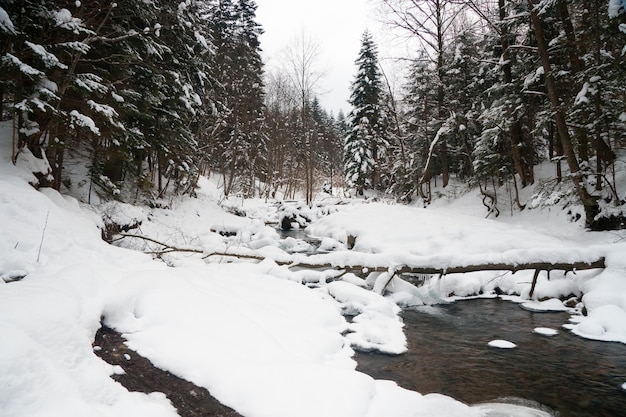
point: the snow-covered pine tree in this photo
(365, 141)
(597, 65)
(239, 70)
(31, 73)
(420, 123)
(111, 82)
(250, 111)
(497, 150)
(152, 88)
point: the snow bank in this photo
(376, 324)
(605, 300)
(424, 232)
(412, 236)
(426, 238)
(260, 342)
(399, 402)
(511, 410)
(251, 339)
(49, 319)
(251, 333)
(47, 366)
(39, 228)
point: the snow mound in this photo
(510, 410)
(545, 331)
(442, 236)
(122, 214)
(606, 323)
(605, 301)
(502, 344)
(376, 324)
(553, 304)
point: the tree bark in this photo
(400, 269)
(515, 139)
(443, 147)
(590, 203)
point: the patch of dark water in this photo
(448, 354)
(305, 244)
(142, 376)
(299, 234)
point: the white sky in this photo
(335, 25)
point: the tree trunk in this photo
(603, 151)
(515, 139)
(590, 203)
(443, 148)
(56, 153)
(331, 262)
(530, 149)
(1, 102)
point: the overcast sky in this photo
(336, 26)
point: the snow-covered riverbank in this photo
(260, 341)
(251, 333)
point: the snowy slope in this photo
(263, 344)
(251, 333)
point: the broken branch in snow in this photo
(534, 284)
(167, 248)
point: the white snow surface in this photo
(442, 237)
(502, 344)
(511, 410)
(545, 331)
(616, 7)
(437, 238)
(5, 22)
(552, 304)
(260, 341)
(252, 333)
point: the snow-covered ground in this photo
(251, 332)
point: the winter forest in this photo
(152, 95)
(186, 230)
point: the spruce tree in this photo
(242, 144)
(365, 142)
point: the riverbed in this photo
(449, 354)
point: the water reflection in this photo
(448, 353)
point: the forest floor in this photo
(141, 375)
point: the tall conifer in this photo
(365, 142)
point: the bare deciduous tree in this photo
(301, 59)
(432, 23)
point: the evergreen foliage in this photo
(154, 93)
(366, 142)
(502, 110)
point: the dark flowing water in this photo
(448, 354)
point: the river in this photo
(448, 354)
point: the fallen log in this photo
(298, 262)
(427, 270)
(405, 269)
